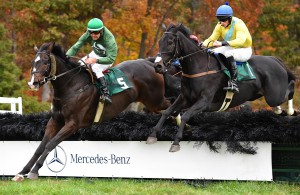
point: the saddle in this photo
(115, 79)
(244, 70)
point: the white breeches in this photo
(97, 68)
(239, 54)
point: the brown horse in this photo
(76, 97)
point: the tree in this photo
(9, 72)
(280, 31)
(10, 83)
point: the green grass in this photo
(140, 186)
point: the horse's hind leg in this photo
(64, 133)
(291, 89)
(289, 94)
(51, 130)
(277, 110)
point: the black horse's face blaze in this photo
(40, 69)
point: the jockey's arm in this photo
(213, 37)
(77, 46)
(111, 54)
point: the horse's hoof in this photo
(290, 112)
(174, 148)
(151, 140)
(18, 178)
(33, 176)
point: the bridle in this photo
(51, 69)
(177, 53)
(177, 50)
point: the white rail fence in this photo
(15, 104)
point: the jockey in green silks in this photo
(104, 51)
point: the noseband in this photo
(50, 71)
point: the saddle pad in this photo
(244, 70)
(116, 81)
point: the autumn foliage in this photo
(136, 24)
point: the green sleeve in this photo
(111, 54)
(111, 49)
(77, 46)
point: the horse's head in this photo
(41, 66)
(169, 44)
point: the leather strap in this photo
(199, 74)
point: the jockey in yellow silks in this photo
(236, 44)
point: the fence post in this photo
(12, 102)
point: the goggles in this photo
(95, 32)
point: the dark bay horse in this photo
(76, 98)
(203, 81)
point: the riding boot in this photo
(232, 84)
(104, 90)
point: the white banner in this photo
(133, 159)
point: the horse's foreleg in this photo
(197, 107)
(64, 133)
(50, 131)
(20, 176)
(175, 107)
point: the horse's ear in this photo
(51, 46)
(163, 26)
(36, 49)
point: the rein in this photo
(188, 55)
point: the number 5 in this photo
(122, 83)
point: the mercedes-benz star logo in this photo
(56, 160)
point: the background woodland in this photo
(136, 24)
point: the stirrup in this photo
(105, 99)
(232, 87)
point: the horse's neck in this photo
(195, 60)
(68, 80)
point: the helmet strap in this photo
(229, 20)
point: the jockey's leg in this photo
(233, 55)
(232, 84)
(104, 90)
(97, 69)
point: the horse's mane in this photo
(179, 27)
(60, 52)
(57, 50)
